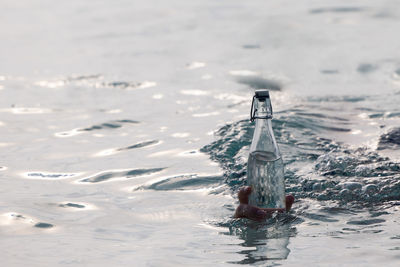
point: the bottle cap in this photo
(261, 96)
(262, 93)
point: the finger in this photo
(258, 214)
(240, 213)
(255, 213)
(243, 194)
(251, 212)
(289, 202)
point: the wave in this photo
(315, 167)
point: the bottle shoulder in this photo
(261, 155)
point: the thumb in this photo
(243, 194)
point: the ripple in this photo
(84, 77)
(96, 81)
(190, 153)
(360, 163)
(11, 218)
(75, 207)
(366, 221)
(107, 125)
(333, 71)
(234, 139)
(49, 175)
(43, 225)
(184, 182)
(329, 172)
(392, 114)
(130, 85)
(111, 175)
(251, 46)
(352, 99)
(366, 68)
(336, 10)
(262, 242)
(320, 115)
(319, 217)
(75, 79)
(17, 216)
(113, 151)
(72, 205)
(390, 140)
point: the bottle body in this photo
(265, 176)
(265, 173)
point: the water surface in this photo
(125, 133)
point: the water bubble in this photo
(352, 186)
(369, 189)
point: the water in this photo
(125, 133)
(267, 180)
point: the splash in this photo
(315, 167)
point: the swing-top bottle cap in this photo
(262, 93)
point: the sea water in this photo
(124, 144)
(265, 175)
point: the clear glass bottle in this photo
(265, 166)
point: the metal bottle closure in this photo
(261, 96)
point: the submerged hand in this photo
(254, 213)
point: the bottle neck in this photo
(263, 138)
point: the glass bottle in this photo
(265, 166)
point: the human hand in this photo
(255, 213)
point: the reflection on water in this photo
(263, 242)
(119, 174)
(20, 223)
(107, 125)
